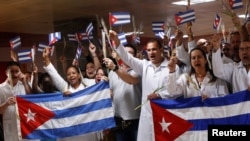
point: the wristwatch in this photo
(116, 68)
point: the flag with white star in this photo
(188, 119)
(51, 115)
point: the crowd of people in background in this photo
(209, 68)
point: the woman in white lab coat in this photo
(200, 81)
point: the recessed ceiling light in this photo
(184, 2)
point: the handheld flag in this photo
(236, 4)
(78, 52)
(122, 38)
(89, 29)
(136, 39)
(25, 56)
(119, 18)
(57, 116)
(160, 35)
(184, 17)
(79, 36)
(231, 109)
(54, 37)
(15, 42)
(217, 22)
(158, 26)
(42, 46)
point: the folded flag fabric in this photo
(236, 4)
(54, 37)
(122, 38)
(25, 56)
(119, 18)
(48, 116)
(217, 22)
(158, 26)
(232, 109)
(184, 17)
(15, 42)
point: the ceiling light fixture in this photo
(184, 2)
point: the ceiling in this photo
(38, 16)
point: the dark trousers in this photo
(126, 130)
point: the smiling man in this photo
(153, 73)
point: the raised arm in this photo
(59, 82)
(124, 75)
(92, 50)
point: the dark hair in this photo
(103, 69)
(133, 47)
(207, 65)
(12, 63)
(156, 41)
(42, 77)
(72, 66)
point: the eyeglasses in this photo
(241, 49)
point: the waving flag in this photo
(136, 39)
(56, 116)
(160, 35)
(217, 22)
(42, 46)
(158, 26)
(79, 36)
(89, 29)
(78, 52)
(236, 4)
(15, 42)
(122, 38)
(54, 37)
(232, 109)
(119, 18)
(25, 56)
(184, 17)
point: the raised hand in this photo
(113, 36)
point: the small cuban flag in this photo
(217, 22)
(42, 46)
(184, 17)
(78, 52)
(79, 36)
(236, 4)
(15, 42)
(160, 35)
(54, 37)
(158, 26)
(119, 18)
(122, 38)
(89, 29)
(25, 56)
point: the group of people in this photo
(207, 67)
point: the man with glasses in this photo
(235, 73)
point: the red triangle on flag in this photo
(231, 2)
(112, 19)
(167, 126)
(178, 19)
(31, 116)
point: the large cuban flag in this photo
(188, 119)
(56, 116)
(184, 17)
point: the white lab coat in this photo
(188, 86)
(151, 80)
(10, 122)
(234, 73)
(62, 85)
